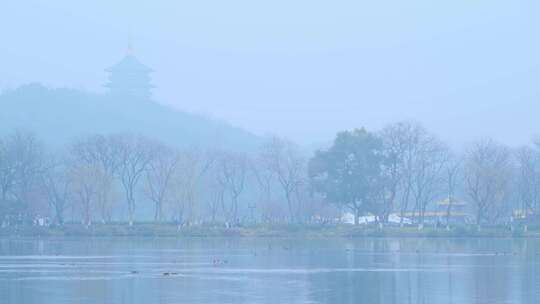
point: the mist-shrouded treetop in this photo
(350, 171)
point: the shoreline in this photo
(262, 231)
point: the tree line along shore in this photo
(400, 180)
(263, 231)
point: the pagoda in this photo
(129, 78)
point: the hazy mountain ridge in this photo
(60, 115)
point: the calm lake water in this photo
(270, 271)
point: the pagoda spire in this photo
(129, 50)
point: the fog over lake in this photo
(296, 152)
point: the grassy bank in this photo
(293, 231)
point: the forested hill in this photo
(58, 116)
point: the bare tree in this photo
(398, 141)
(231, 172)
(307, 210)
(189, 172)
(21, 164)
(283, 159)
(528, 180)
(135, 154)
(159, 177)
(86, 179)
(488, 171)
(57, 184)
(7, 171)
(103, 152)
(99, 149)
(215, 198)
(106, 197)
(413, 169)
(265, 181)
(453, 170)
(428, 173)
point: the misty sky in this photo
(303, 69)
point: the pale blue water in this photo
(145, 270)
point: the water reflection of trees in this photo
(434, 271)
(385, 271)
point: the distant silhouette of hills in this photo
(59, 116)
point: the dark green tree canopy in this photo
(348, 173)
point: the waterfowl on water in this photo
(218, 262)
